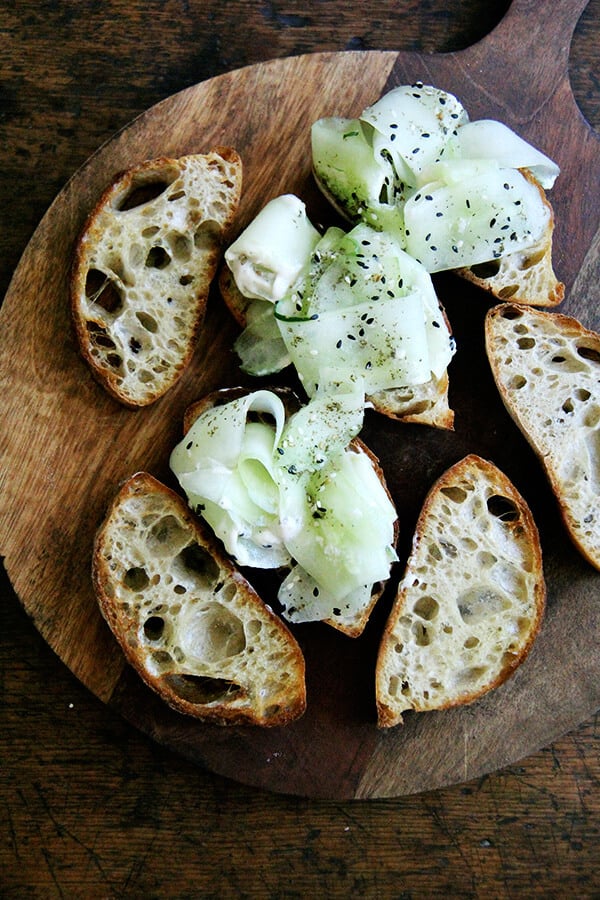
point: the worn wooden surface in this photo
(86, 796)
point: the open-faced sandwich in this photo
(458, 194)
(294, 491)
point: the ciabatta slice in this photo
(187, 621)
(526, 276)
(424, 404)
(471, 600)
(142, 269)
(547, 369)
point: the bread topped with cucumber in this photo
(143, 265)
(339, 306)
(290, 488)
(461, 195)
(188, 622)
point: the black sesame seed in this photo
(339, 344)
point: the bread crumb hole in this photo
(199, 689)
(471, 642)
(141, 193)
(502, 508)
(229, 593)
(427, 608)
(136, 579)
(472, 674)
(511, 312)
(590, 353)
(146, 321)
(518, 382)
(533, 259)
(166, 536)
(486, 269)
(526, 343)
(486, 559)
(253, 627)
(157, 258)
(455, 493)
(582, 395)
(154, 628)
(478, 603)
(101, 290)
(198, 562)
(212, 633)
(509, 291)
(422, 636)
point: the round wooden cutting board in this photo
(66, 445)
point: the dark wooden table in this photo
(91, 808)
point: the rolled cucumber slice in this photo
(269, 255)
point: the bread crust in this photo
(142, 268)
(252, 670)
(546, 366)
(291, 404)
(433, 652)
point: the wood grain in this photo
(92, 807)
(51, 466)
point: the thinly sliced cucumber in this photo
(226, 466)
(488, 139)
(474, 220)
(416, 123)
(270, 254)
(338, 524)
(260, 346)
(367, 310)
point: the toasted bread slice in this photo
(142, 269)
(471, 600)
(526, 276)
(425, 404)
(352, 625)
(547, 369)
(188, 622)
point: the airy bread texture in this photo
(143, 265)
(352, 625)
(471, 600)
(547, 369)
(526, 276)
(188, 622)
(425, 404)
